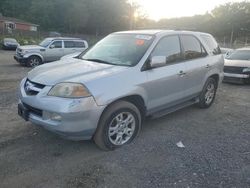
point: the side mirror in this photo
(52, 46)
(158, 61)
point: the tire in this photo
(111, 133)
(34, 61)
(208, 93)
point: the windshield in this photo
(119, 49)
(239, 55)
(45, 42)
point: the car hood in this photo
(71, 70)
(31, 47)
(237, 63)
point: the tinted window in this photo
(57, 44)
(192, 47)
(69, 44)
(79, 44)
(240, 55)
(212, 44)
(169, 47)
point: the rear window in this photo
(69, 44)
(79, 44)
(74, 44)
(212, 44)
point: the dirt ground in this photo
(216, 153)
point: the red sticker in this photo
(140, 42)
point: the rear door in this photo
(196, 64)
(165, 84)
(69, 47)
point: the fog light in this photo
(55, 117)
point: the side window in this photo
(57, 44)
(212, 44)
(169, 47)
(69, 44)
(79, 44)
(192, 47)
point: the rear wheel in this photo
(34, 61)
(118, 126)
(208, 93)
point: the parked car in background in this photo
(237, 66)
(9, 44)
(106, 92)
(50, 49)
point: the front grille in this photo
(234, 70)
(32, 88)
(33, 110)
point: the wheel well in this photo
(137, 100)
(216, 77)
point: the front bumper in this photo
(21, 60)
(78, 117)
(236, 78)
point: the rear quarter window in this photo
(79, 44)
(212, 44)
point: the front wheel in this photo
(34, 61)
(208, 93)
(118, 126)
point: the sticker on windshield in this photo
(143, 37)
(140, 42)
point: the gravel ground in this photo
(216, 153)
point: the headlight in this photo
(69, 90)
(246, 70)
(24, 51)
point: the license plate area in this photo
(23, 112)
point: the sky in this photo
(157, 9)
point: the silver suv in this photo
(107, 92)
(50, 49)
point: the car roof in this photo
(161, 32)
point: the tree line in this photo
(101, 17)
(71, 16)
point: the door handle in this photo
(181, 73)
(208, 66)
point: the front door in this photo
(165, 84)
(54, 51)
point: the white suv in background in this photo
(50, 49)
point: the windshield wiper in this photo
(99, 61)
